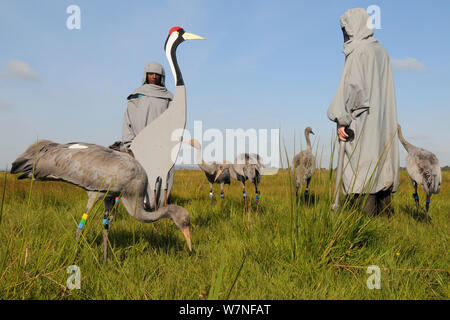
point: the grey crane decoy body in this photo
(423, 168)
(156, 147)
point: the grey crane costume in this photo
(145, 104)
(365, 102)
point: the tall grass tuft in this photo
(3, 196)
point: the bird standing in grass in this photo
(246, 166)
(304, 165)
(103, 173)
(210, 170)
(423, 169)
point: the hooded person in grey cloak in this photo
(365, 103)
(145, 104)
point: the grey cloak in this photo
(365, 102)
(145, 104)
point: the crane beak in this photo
(313, 132)
(219, 172)
(187, 235)
(191, 36)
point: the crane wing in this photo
(89, 166)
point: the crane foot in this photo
(257, 197)
(105, 245)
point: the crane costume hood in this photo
(152, 90)
(356, 23)
(365, 102)
(145, 104)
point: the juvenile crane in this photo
(424, 169)
(246, 166)
(304, 165)
(103, 173)
(210, 170)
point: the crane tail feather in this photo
(25, 162)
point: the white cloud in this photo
(407, 64)
(21, 70)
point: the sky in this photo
(263, 65)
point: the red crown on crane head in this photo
(174, 29)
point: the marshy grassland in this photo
(289, 250)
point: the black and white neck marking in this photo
(172, 42)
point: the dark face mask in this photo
(346, 37)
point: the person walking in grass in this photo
(365, 103)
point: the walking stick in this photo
(340, 168)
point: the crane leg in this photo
(416, 197)
(165, 204)
(257, 196)
(244, 195)
(105, 232)
(307, 189)
(114, 209)
(427, 204)
(211, 193)
(222, 195)
(109, 216)
(93, 197)
(110, 205)
(116, 205)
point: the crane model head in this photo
(176, 36)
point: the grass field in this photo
(286, 251)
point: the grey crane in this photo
(103, 173)
(210, 170)
(423, 169)
(304, 165)
(246, 166)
